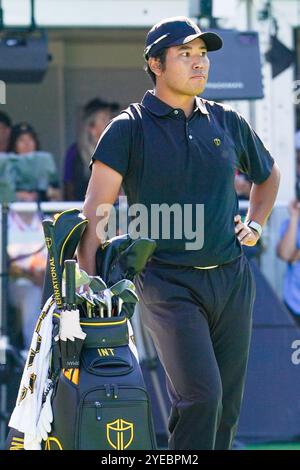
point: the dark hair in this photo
(97, 104)
(161, 55)
(5, 119)
(17, 131)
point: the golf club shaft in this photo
(70, 266)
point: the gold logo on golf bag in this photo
(106, 352)
(120, 434)
(217, 142)
(53, 443)
(48, 241)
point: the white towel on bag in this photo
(29, 416)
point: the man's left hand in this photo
(245, 234)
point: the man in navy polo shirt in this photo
(178, 150)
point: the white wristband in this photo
(255, 226)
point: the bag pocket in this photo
(115, 418)
(108, 362)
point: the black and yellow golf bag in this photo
(103, 403)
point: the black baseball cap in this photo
(175, 31)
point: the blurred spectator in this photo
(24, 140)
(288, 249)
(5, 129)
(297, 147)
(26, 248)
(28, 257)
(96, 116)
(242, 186)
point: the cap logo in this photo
(147, 49)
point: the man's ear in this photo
(155, 66)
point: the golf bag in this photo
(102, 403)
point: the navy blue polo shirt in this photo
(166, 158)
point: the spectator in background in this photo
(26, 248)
(288, 249)
(5, 129)
(242, 186)
(28, 258)
(96, 115)
(297, 147)
(24, 140)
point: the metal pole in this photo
(32, 7)
(4, 265)
(3, 320)
(1, 16)
(249, 12)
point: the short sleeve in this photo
(113, 147)
(254, 159)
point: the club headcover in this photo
(68, 229)
(123, 258)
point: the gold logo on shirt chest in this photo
(217, 142)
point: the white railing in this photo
(272, 267)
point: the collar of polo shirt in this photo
(159, 108)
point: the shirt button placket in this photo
(188, 132)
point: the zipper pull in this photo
(98, 406)
(107, 390)
(116, 391)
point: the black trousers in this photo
(200, 322)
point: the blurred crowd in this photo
(26, 249)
